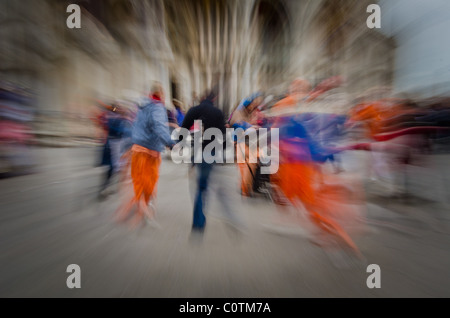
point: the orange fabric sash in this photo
(153, 153)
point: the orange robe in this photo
(144, 172)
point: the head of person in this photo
(212, 94)
(177, 104)
(157, 91)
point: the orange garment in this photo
(304, 181)
(247, 175)
(286, 103)
(296, 181)
(144, 171)
(371, 114)
(290, 102)
(377, 115)
(246, 168)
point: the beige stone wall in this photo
(244, 46)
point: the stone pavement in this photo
(52, 219)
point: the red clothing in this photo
(155, 98)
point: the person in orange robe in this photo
(302, 181)
(150, 136)
(246, 116)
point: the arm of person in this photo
(237, 117)
(161, 126)
(189, 119)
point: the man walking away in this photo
(211, 117)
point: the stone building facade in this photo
(187, 45)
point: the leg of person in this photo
(146, 205)
(149, 174)
(115, 158)
(244, 169)
(124, 210)
(127, 190)
(107, 179)
(126, 162)
(199, 217)
(136, 176)
(140, 213)
(250, 177)
(224, 196)
(106, 161)
(317, 207)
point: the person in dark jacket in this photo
(117, 127)
(211, 117)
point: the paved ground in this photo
(52, 219)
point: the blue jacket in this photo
(150, 129)
(116, 127)
(180, 116)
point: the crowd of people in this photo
(17, 112)
(332, 206)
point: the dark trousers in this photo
(204, 170)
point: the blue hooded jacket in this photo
(150, 129)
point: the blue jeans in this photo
(204, 170)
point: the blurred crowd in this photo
(17, 111)
(317, 126)
(315, 133)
